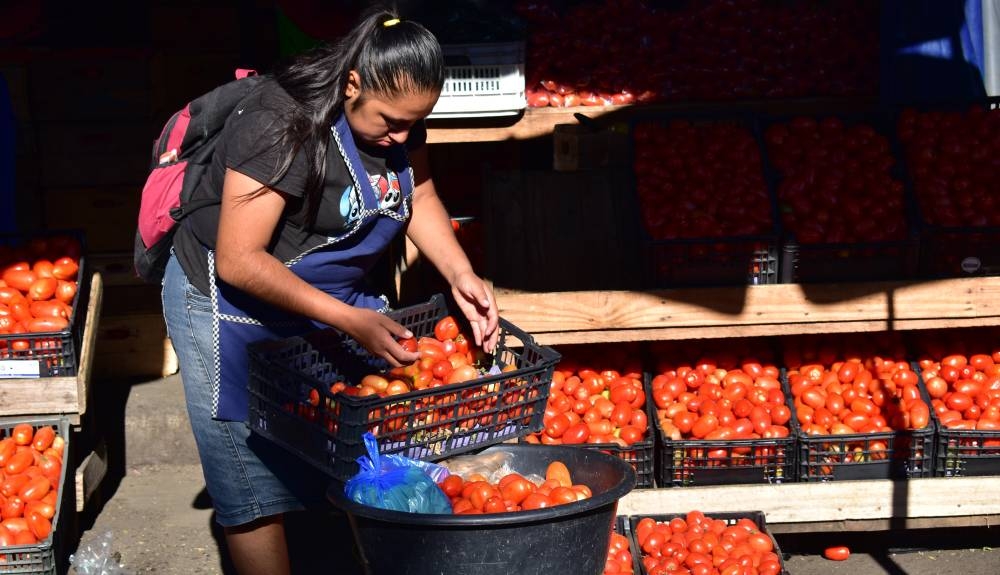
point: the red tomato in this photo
(65, 268)
(446, 328)
(43, 438)
(23, 433)
(576, 433)
(837, 553)
(43, 288)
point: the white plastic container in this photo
(482, 80)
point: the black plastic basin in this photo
(570, 539)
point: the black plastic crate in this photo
(291, 403)
(694, 462)
(623, 527)
(846, 258)
(964, 452)
(729, 517)
(949, 248)
(46, 557)
(899, 454)
(45, 354)
(721, 259)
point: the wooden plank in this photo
(89, 340)
(895, 523)
(539, 122)
(133, 345)
(533, 123)
(89, 475)
(831, 501)
(752, 310)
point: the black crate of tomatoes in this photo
(33, 495)
(707, 217)
(963, 382)
(698, 542)
(844, 212)
(317, 395)
(861, 416)
(43, 298)
(606, 410)
(622, 555)
(950, 156)
(721, 420)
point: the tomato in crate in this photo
(948, 152)
(34, 494)
(601, 406)
(43, 301)
(707, 216)
(721, 418)
(317, 395)
(845, 214)
(668, 543)
(962, 379)
(859, 411)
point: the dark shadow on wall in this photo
(923, 77)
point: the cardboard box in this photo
(91, 154)
(89, 84)
(107, 215)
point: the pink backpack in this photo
(181, 156)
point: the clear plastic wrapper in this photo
(98, 558)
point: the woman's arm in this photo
(246, 226)
(430, 230)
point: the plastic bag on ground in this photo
(97, 558)
(397, 483)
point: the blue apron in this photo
(338, 267)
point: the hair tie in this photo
(391, 22)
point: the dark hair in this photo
(401, 58)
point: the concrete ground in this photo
(154, 507)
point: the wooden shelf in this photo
(539, 122)
(751, 311)
(836, 505)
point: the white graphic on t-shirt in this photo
(350, 205)
(387, 188)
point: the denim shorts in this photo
(247, 476)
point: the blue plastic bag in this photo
(397, 483)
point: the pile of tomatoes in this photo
(699, 544)
(949, 156)
(613, 52)
(836, 184)
(700, 180)
(965, 391)
(586, 406)
(475, 494)
(31, 461)
(38, 282)
(447, 358)
(858, 395)
(619, 555)
(705, 401)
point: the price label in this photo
(20, 368)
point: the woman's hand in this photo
(379, 334)
(479, 306)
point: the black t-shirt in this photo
(248, 145)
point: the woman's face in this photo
(382, 121)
